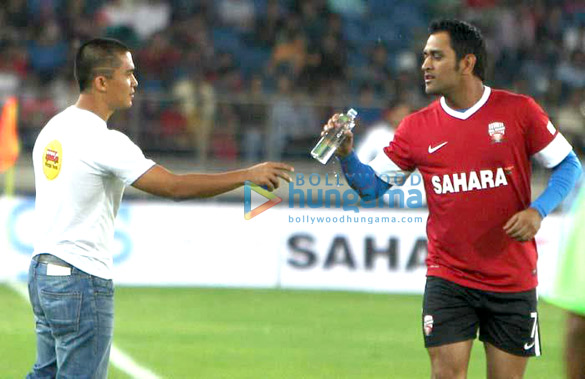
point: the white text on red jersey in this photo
(472, 181)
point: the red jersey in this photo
(476, 172)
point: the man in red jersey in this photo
(473, 148)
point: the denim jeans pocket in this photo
(62, 310)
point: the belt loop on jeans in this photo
(48, 258)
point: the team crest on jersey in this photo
(496, 131)
(52, 159)
(428, 325)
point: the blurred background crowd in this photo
(247, 80)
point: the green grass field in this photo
(232, 333)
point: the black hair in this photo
(465, 39)
(99, 56)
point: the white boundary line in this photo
(118, 358)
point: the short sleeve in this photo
(122, 158)
(399, 149)
(543, 141)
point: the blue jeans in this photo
(74, 316)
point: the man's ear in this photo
(468, 64)
(100, 83)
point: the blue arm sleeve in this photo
(362, 178)
(561, 182)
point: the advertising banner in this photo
(219, 244)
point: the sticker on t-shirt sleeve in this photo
(52, 159)
(551, 128)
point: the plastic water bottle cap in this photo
(352, 113)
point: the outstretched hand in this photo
(524, 225)
(268, 174)
(346, 146)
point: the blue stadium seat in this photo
(409, 16)
(253, 60)
(382, 29)
(226, 39)
(260, 8)
(381, 7)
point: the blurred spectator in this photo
(574, 38)
(335, 26)
(64, 92)
(348, 8)
(312, 22)
(326, 48)
(289, 56)
(79, 23)
(326, 64)
(173, 126)
(192, 37)
(369, 108)
(227, 76)
(571, 120)
(155, 62)
(481, 3)
(553, 25)
(281, 119)
(508, 37)
(253, 117)
(145, 17)
(303, 127)
(224, 139)
(197, 103)
(125, 34)
(48, 52)
(16, 13)
(378, 135)
(571, 72)
(268, 27)
(15, 60)
(377, 72)
(35, 110)
(238, 14)
(536, 72)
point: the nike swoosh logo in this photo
(528, 346)
(433, 149)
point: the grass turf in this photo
(236, 333)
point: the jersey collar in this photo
(469, 112)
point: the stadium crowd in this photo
(254, 79)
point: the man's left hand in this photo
(524, 225)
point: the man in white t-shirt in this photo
(81, 169)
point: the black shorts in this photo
(453, 313)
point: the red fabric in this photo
(474, 184)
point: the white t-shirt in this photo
(81, 168)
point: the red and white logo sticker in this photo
(428, 325)
(496, 130)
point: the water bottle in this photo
(327, 145)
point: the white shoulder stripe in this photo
(387, 170)
(554, 152)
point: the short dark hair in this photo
(99, 56)
(465, 39)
